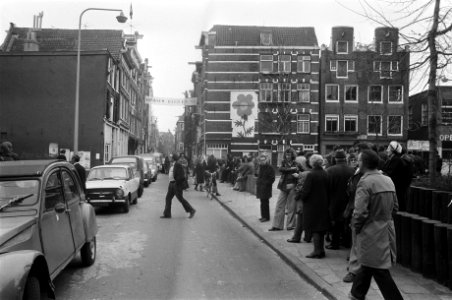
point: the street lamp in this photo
(121, 19)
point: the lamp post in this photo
(121, 19)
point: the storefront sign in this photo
(418, 145)
(445, 137)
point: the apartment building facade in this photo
(37, 70)
(258, 90)
(364, 90)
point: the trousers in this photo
(175, 190)
(382, 277)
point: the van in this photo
(138, 164)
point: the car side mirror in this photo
(60, 207)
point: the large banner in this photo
(243, 113)
(172, 101)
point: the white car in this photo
(110, 185)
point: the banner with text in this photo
(171, 101)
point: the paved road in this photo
(211, 256)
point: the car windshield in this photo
(107, 173)
(13, 190)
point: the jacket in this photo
(179, 174)
(375, 204)
(338, 176)
(314, 195)
(264, 182)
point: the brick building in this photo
(364, 90)
(37, 92)
(418, 123)
(258, 90)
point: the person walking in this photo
(338, 176)
(353, 264)
(375, 204)
(81, 171)
(176, 178)
(314, 195)
(264, 184)
(286, 199)
(199, 172)
(184, 162)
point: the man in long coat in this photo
(375, 204)
(338, 176)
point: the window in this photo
(266, 91)
(332, 92)
(374, 124)
(304, 64)
(284, 92)
(342, 70)
(385, 69)
(333, 66)
(351, 93)
(303, 121)
(70, 188)
(350, 123)
(53, 194)
(266, 38)
(424, 115)
(375, 93)
(446, 111)
(284, 63)
(410, 118)
(304, 91)
(342, 47)
(395, 94)
(266, 63)
(386, 48)
(394, 125)
(331, 123)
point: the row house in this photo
(258, 88)
(37, 92)
(418, 113)
(364, 90)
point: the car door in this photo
(73, 198)
(56, 233)
(134, 180)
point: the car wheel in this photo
(32, 288)
(146, 184)
(88, 252)
(135, 201)
(140, 191)
(126, 205)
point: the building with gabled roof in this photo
(257, 90)
(37, 83)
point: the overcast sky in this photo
(172, 29)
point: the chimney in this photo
(31, 43)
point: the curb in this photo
(299, 267)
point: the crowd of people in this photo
(347, 199)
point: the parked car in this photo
(147, 174)
(44, 223)
(110, 185)
(152, 164)
(135, 161)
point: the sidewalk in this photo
(326, 274)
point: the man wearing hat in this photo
(338, 176)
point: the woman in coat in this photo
(264, 184)
(286, 199)
(314, 195)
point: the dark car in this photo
(45, 223)
(138, 164)
(152, 166)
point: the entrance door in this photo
(57, 239)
